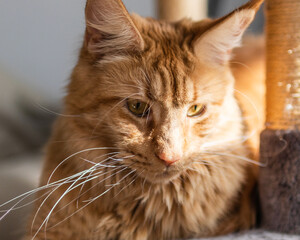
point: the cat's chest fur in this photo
(193, 205)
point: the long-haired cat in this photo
(153, 143)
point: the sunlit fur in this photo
(111, 182)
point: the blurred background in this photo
(39, 44)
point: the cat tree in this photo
(279, 182)
(173, 10)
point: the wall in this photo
(39, 41)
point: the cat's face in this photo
(162, 112)
(162, 94)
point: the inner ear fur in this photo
(224, 34)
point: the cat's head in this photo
(161, 93)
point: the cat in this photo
(152, 142)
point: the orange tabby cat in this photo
(153, 144)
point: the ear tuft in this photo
(110, 29)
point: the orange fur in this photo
(248, 67)
(134, 194)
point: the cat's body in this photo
(169, 176)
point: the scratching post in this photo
(173, 10)
(279, 181)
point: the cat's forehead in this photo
(169, 61)
(171, 83)
(181, 33)
(168, 72)
(164, 36)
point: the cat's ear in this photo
(216, 44)
(110, 29)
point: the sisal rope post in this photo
(279, 181)
(174, 10)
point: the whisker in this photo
(93, 199)
(143, 186)
(29, 193)
(110, 158)
(107, 154)
(74, 154)
(88, 161)
(100, 164)
(148, 114)
(237, 157)
(55, 113)
(134, 178)
(251, 103)
(103, 173)
(39, 208)
(70, 188)
(146, 75)
(134, 86)
(92, 175)
(44, 223)
(199, 171)
(74, 140)
(24, 205)
(246, 66)
(240, 139)
(90, 201)
(212, 164)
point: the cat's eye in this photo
(196, 110)
(138, 108)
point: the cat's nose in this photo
(169, 159)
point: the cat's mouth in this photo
(161, 176)
(166, 176)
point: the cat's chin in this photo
(163, 177)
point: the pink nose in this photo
(168, 159)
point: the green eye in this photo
(196, 110)
(138, 108)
